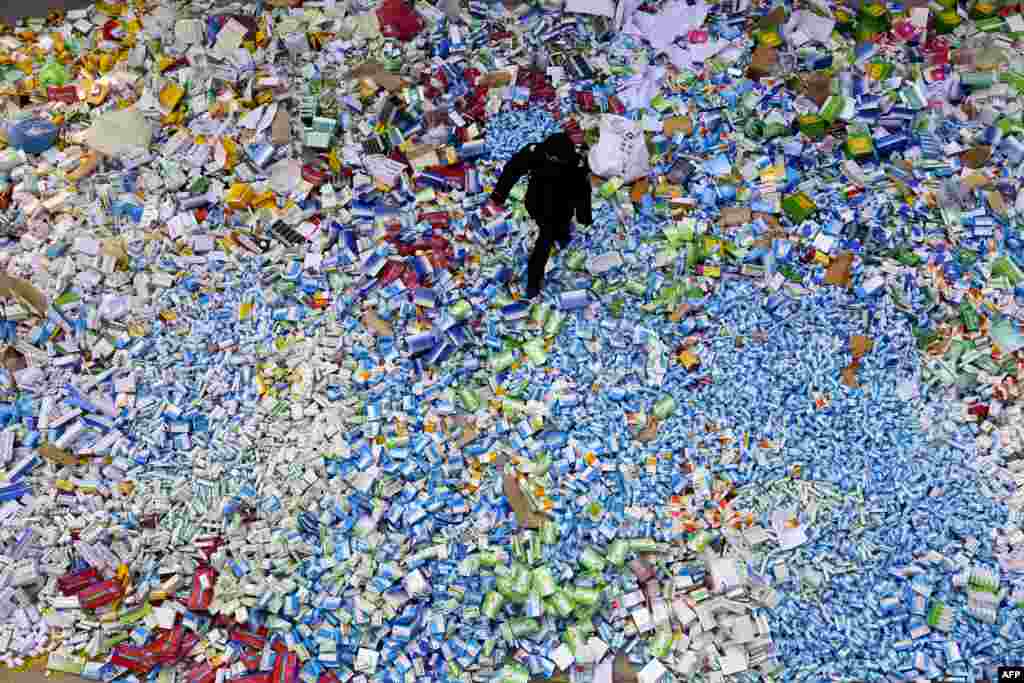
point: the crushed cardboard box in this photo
(23, 292)
(497, 79)
(859, 347)
(976, 157)
(526, 516)
(762, 62)
(57, 455)
(639, 189)
(840, 270)
(677, 124)
(735, 215)
(379, 75)
(649, 432)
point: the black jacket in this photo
(559, 181)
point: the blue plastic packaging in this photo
(33, 136)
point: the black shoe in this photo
(532, 292)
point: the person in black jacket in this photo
(559, 189)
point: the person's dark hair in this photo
(561, 147)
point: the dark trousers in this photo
(548, 235)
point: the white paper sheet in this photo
(810, 26)
(119, 132)
(686, 57)
(601, 8)
(673, 21)
(229, 39)
(789, 537)
(188, 32)
(252, 119)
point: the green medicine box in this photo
(872, 20)
(859, 145)
(798, 207)
(874, 17)
(813, 126)
(768, 37)
(983, 9)
(879, 71)
(991, 24)
(947, 21)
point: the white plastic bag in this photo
(620, 150)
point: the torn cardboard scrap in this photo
(24, 292)
(649, 432)
(13, 361)
(762, 62)
(815, 86)
(735, 215)
(526, 516)
(57, 455)
(976, 181)
(114, 247)
(639, 189)
(677, 124)
(377, 325)
(840, 270)
(976, 157)
(468, 436)
(497, 79)
(860, 346)
(681, 311)
(281, 127)
(374, 71)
